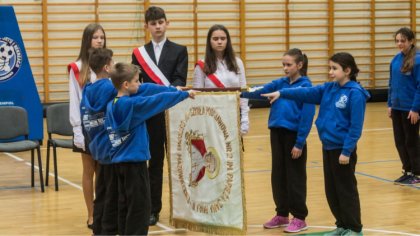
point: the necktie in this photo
(157, 53)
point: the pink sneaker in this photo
(295, 226)
(276, 222)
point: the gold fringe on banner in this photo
(201, 227)
(241, 162)
(206, 228)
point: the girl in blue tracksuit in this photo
(404, 105)
(340, 124)
(289, 123)
(127, 132)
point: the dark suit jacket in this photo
(173, 63)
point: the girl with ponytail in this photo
(404, 105)
(340, 124)
(290, 123)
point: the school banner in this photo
(17, 84)
(205, 164)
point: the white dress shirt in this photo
(228, 79)
(157, 47)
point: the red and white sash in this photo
(73, 66)
(212, 77)
(150, 67)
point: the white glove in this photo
(244, 116)
(79, 139)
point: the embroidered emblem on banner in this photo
(205, 161)
(205, 164)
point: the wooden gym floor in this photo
(386, 208)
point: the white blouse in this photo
(229, 79)
(75, 97)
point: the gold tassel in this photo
(206, 228)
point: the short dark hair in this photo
(122, 72)
(346, 60)
(98, 58)
(154, 13)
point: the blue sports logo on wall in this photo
(10, 58)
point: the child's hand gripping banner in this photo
(205, 164)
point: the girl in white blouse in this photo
(221, 69)
(79, 75)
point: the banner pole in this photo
(231, 89)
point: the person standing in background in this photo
(222, 69)
(79, 75)
(161, 62)
(404, 105)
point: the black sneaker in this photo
(403, 178)
(407, 181)
(154, 218)
(413, 180)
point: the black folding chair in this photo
(57, 123)
(14, 124)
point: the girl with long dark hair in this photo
(404, 105)
(221, 68)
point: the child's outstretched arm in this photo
(149, 89)
(312, 95)
(146, 107)
(267, 88)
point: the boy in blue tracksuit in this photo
(340, 123)
(127, 132)
(95, 97)
(290, 123)
(404, 105)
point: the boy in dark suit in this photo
(166, 63)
